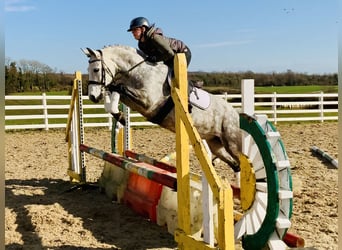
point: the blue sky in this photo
(261, 36)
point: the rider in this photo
(155, 45)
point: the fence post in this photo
(274, 107)
(45, 112)
(248, 107)
(247, 96)
(321, 106)
(225, 96)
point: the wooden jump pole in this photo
(139, 168)
(325, 155)
(149, 160)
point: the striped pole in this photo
(325, 156)
(140, 168)
(149, 160)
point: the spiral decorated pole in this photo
(140, 168)
(325, 155)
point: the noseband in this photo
(104, 69)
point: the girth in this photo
(163, 111)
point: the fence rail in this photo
(45, 112)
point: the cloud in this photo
(223, 44)
(18, 6)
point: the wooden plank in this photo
(240, 228)
(282, 164)
(261, 186)
(182, 147)
(285, 194)
(282, 221)
(208, 207)
(275, 243)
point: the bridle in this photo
(105, 69)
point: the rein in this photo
(136, 66)
(115, 78)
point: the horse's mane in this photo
(126, 47)
(119, 46)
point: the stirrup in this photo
(198, 84)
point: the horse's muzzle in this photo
(95, 92)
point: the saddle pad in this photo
(199, 98)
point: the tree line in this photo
(30, 75)
(232, 80)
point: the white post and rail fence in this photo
(51, 111)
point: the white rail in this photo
(278, 107)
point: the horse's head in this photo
(100, 75)
(123, 69)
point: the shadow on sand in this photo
(110, 223)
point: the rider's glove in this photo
(151, 59)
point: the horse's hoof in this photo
(120, 118)
(236, 167)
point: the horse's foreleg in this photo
(111, 105)
(220, 151)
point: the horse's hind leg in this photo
(218, 149)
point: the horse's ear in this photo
(88, 52)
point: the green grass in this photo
(279, 89)
(296, 89)
(62, 92)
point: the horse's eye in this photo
(96, 70)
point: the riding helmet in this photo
(138, 22)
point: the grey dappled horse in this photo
(124, 75)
